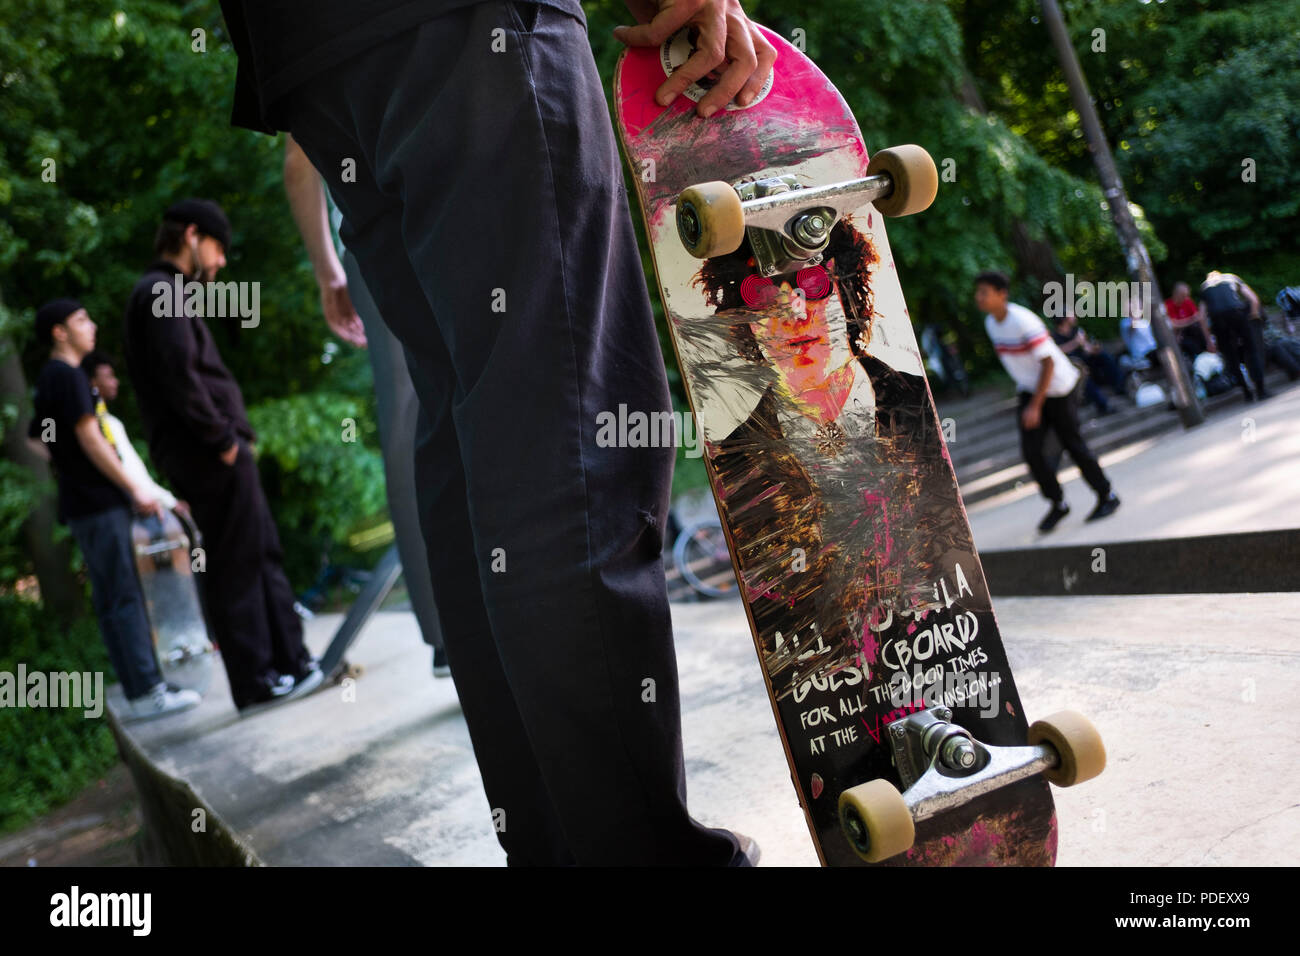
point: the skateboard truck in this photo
(788, 223)
(942, 766)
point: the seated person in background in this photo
(104, 385)
(1101, 365)
(1138, 338)
(1191, 328)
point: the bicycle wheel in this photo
(703, 560)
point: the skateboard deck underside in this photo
(172, 603)
(860, 578)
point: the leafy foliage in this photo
(48, 755)
(133, 117)
(323, 485)
(1186, 91)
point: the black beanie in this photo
(205, 214)
(51, 314)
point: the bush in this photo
(321, 468)
(48, 755)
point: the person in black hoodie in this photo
(200, 437)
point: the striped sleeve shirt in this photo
(1022, 342)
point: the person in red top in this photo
(1189, 325)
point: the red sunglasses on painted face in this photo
(761, 291)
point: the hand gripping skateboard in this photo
(866, 600)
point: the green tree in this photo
(109, 112)
(1187, 92)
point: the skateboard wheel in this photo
(1075, 739)
(916, 181)
(876, 820)
(710, 221)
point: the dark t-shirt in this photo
(283, 43)
(1223, 299)
(63, 397)
(1060, 339)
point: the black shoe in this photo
(304, 684)
(1059, 510)
(1105, 506)
(271, 686)
(305, 667)
(440, 666)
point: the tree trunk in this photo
(59, 588)
(1035, 257)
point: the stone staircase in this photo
(985, 450)
(985, 443)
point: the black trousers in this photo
(248, 597)
(1061, 416)
(490, 221)
(1240, 339)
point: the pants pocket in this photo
(525, 15)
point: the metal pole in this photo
(1135, 253)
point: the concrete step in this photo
(1004, 469)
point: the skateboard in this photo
(867, 604)
(163, 550)
(377, 587)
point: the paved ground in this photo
(1190, 692)
(1239, 471)
(1185, 690)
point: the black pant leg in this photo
(1031, 447)
(1250, 333)
(497, 201)
(1225, 335)
(225, 510)
(1062, 416)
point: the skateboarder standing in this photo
(469, 148)
(1045, 385)
(95, 500)
(199, 436)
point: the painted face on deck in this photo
(794, 336)
(801, 332)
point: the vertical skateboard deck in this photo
(163, 553)
(865, 596)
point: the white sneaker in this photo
(159, 702)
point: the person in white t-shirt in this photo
(1045, 385)
(98, 368)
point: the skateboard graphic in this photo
(867, 604)
(163, 554)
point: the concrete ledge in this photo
(1217, 563)
(168, 805)
(1181, 687)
